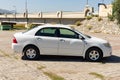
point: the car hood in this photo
(96, 40)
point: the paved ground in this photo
(12, 67)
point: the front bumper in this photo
(107, 51)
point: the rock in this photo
(103, 26)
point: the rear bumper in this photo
(17, 48)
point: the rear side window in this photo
(47, 32)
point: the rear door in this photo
(47, 41)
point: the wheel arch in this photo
(32, 46)
(93, 47)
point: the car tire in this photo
(94, 54)
(31, 53)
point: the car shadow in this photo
(59, 58)
(112, 59)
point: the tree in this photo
(116, 10)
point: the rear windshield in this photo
(30, 29)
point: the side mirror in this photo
(80, 37)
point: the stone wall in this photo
(105, 10)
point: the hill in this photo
(3, 11)
(99, 25)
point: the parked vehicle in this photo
(59, 40)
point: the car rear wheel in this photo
(94, 54)
(31, 53)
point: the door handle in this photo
(62, 40)
(39, 38)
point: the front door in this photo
(69, 43)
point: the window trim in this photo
(56, 34)
(69, 30)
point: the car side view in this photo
(58, 39)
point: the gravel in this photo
(12, 67)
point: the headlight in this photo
(107, 44)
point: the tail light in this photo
(14, 40)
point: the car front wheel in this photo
(94, 54)
(31, 53)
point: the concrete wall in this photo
(59, 14)
(46, 17)
(42, 20)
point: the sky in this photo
(49, 5)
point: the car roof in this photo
(55, 25)
(33, 31)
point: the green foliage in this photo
(100, 76)
(22, 26)
(41, 67)
(19, 26)
(16, 57)
(78, 23)
(100, 19)
(97, 31)
(53, 76)
(116, 10)
(32, 25)
(89, 17)
(96, 15)
(111, 17)
(89, 27)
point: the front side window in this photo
(66, 33)
(51, 32)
